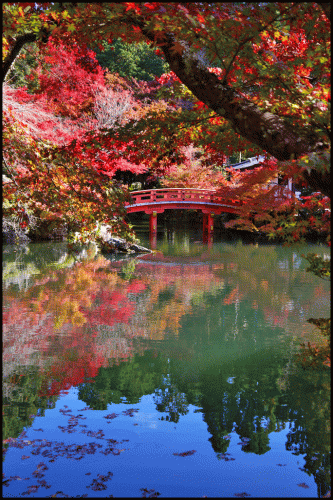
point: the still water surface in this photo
(172, 373)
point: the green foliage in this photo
(309, 405)
(319, 266)
(128, 270)
(130, 380)
(22, 401)
(323, 323)
(311, 354)
(168, 398)
(137, 61)
(22, 74)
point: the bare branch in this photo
(110, 108)
(40, 124)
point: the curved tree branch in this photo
(326, 6)
(267, 130)
(12, 55)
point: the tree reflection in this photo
(21, 401)
(309, 404)
(99, 325)
(128, 381)
(168, 399)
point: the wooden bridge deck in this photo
(180, 198)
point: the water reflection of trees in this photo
(254, 405)
(169, 400)
(247, 406)
(123, 382)
(140, 298)
(21, 401)
(308, 401)
(75, 324)
(251, 402)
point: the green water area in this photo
(172, 374)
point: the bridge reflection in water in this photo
(155, 201)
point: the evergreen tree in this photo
(131, 60)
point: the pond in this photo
(172, 374)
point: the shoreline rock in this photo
(115, 244)
(104, 241)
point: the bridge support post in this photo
(153, 240)
(153, 223)
(208, 227)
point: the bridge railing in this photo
(178, 194)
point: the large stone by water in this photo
(114, 244)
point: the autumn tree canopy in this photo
(273, 86)
(58, 165)
(253, 77)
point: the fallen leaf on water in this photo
(130, 412)
(223, 456)
(185, 453)
(303, 485)
(111, 416)
(25, 456)
(151, 493)
(43, 483)
(33, 488)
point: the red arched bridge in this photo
(155, 201)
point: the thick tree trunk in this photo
(260, 127)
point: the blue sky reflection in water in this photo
(185, 374)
